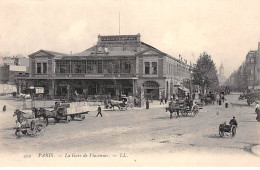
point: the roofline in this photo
(47, 52)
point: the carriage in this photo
(124, 104)
(27, 124)
(61, 113)
(224, 129)
(183, 107)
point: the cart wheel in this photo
(17, 133)
(221, 133)
(56, 120)
(72, 117)
(233, 130)
(184, 112)
(68, 119)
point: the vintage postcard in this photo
(129, 83)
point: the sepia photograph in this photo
(129, 83)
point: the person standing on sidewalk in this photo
(99, 111)
(147, 104)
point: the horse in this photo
(172, 109)
(38, 113)
(21, 116)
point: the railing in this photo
(95, 75)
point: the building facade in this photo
(248, 74)
(116, 65)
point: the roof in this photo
(55, 53)
(103, 53)
(52, 53)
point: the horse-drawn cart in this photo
(183, 107)
(62, 113)
(224, 129)
(124, 104)
(28, 124)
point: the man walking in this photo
(99, 111)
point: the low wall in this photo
(27, 104)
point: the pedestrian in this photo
(226, 103)
(233, 121)
(147, 104)
(4, 108)
(161, 101)
(99, 111)
(178, 115)
(258, 115)
(171, 99)
(223, 98)
(219, 101)
(256, 107)
(165, 100)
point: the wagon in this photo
(62, 113)
(28, 125)
(186, 109)
(183, 107)
(224, 129)
(121, 105)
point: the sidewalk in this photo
(256, 150)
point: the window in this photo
(154, 67)
(116, 66)
(78, 66)
(41, 68)
(44, 68)
(127, 67)
(62, 66)
(147, 68)
(92, 67)
(100, 66)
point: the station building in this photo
(116, 65)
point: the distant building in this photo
(8, 73)
(17, 61)
(221, 77)
(248, 74)
(11, 67)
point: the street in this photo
(139, 131)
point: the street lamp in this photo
(191, 82)
(31, 93)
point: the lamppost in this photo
(31, 93)
(191, 83)
(254, 62)
(203, 85)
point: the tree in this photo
(205, 73)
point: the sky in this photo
(225, 29)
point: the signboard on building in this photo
(39, 90)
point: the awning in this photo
(184, 89)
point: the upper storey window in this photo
(147, 67)
(154, 67)
(150, 68)
(41, 68)
(62, 66)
